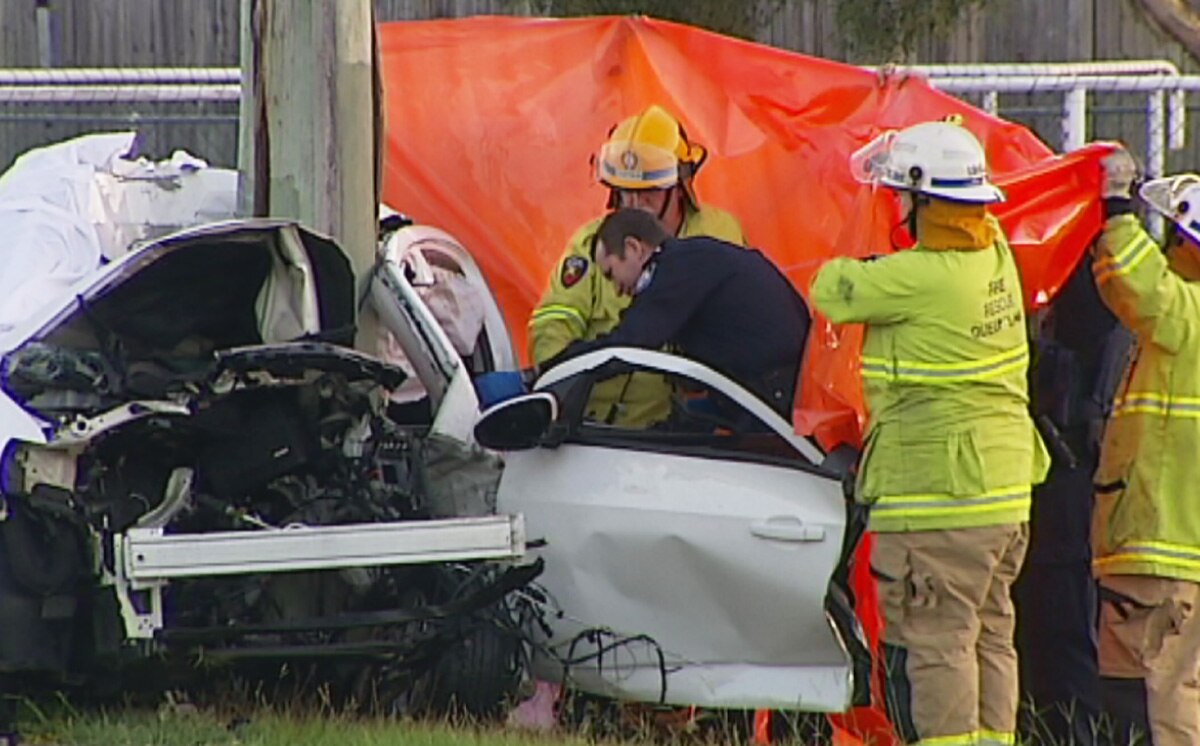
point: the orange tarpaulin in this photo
(492, 123)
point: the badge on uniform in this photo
(573, 270)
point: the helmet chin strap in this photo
(674, 196)
(909, 221)
(911, 218)
(918, 201)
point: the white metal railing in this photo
(1164, 89)
(990, 98)
(116, 94)
(137, 75)
(1075, 101)
(120, 85)
(1101, 67)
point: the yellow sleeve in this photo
(714, 223)
(880, 291)
(568, 302)
(1138, 285)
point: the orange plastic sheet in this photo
(492, 123)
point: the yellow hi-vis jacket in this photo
(1147, 517)
(950, 442)
(580, 303)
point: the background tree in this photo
(1180, 19)
(740, 18)
(880, 31)
(874, 31)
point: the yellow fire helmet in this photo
(649, 151)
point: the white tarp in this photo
(67, 208)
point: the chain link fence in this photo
(193, 109)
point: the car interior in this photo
(704, 422)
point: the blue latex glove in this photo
(493, 388)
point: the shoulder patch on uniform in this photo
(574, 269)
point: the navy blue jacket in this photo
(722, 305)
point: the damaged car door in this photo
(417, 258)
(690, 568)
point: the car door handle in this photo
(787, 528)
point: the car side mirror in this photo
(517, 424)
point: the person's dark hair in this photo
(628, 221)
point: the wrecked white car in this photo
(193, 458)
(704, 566)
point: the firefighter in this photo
(647, 163)
(1146, 529)
(693, 293)
(950, 451)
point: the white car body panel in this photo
(723, 563)
(18, 425)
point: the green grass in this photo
(185, 726)
(58, 723)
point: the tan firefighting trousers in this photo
(1152, 632)
(950, 663)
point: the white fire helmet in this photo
(938, 159)
(1178, 198)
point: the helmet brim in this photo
(980, 194)
(628, 165)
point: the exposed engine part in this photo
(55, 468)
(282, 446)
(177, 497)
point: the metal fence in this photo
(194, 109)
(1144, 103)
(1148, 104)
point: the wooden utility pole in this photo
(310, 122)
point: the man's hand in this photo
(1120, 171)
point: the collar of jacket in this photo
(1184, 261)
(944, 225)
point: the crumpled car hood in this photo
(169, 309)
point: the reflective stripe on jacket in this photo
(1147, 517)
(950, 443)
(579, 303)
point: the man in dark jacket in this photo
(1080, 352)
(719, 304)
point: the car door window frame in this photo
(573, 382)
